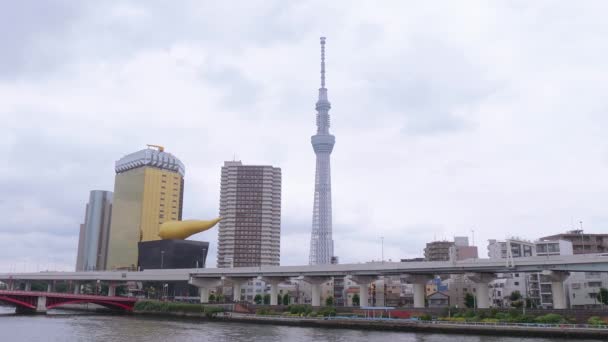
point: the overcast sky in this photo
(448, 116)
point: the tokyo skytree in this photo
(321, 242)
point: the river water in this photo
(68, 326)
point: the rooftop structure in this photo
(152, 158)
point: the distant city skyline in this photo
(451, 117)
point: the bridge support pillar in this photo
(41, 305)
(557, 287)
(204, 293)
(274, 292)
(482, 293)
(49, 287)
(315, 288)
(419, 282)
(112, 290)
(236, 287)
(204, 285)
(28, 286)
(363, 282)
(274, 288)
(76, 288)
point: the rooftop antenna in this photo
(473, 237)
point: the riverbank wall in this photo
(580, 316)
(562, 332)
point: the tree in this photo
(257, 299)
(212, 297)
(469, 300)
(603, 295)
(61, 287)
(515, 296)
(285, 299)
(267, 299)
(219, 297)
(516, 299)
(356, 299)
(517, 304)
(329, 301)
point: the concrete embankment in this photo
(402, 325)
(398, 325)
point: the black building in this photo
(172, 254)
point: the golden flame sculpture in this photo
(180, 230)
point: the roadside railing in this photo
(491, 324)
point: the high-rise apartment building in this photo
(250, 207)
(321, 241)
(148, 190)
(94, 232)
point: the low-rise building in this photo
(438, 251)
(583, 289)
(583, 243)
(458, 287)
(533, 287)
(513, 247)
(438, 300)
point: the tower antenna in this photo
(322, 62)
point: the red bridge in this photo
(30, 301)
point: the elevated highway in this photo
(481, 271)
(571, 263)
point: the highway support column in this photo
(482, 292)
(315, 284)
(363, 281)
(236, 287)
(419, 282)
(557, 287)
(204, 285)
(274, 287)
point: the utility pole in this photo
(582, 237)
(382, 243)
(472, 237)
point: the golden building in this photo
(148, 190)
